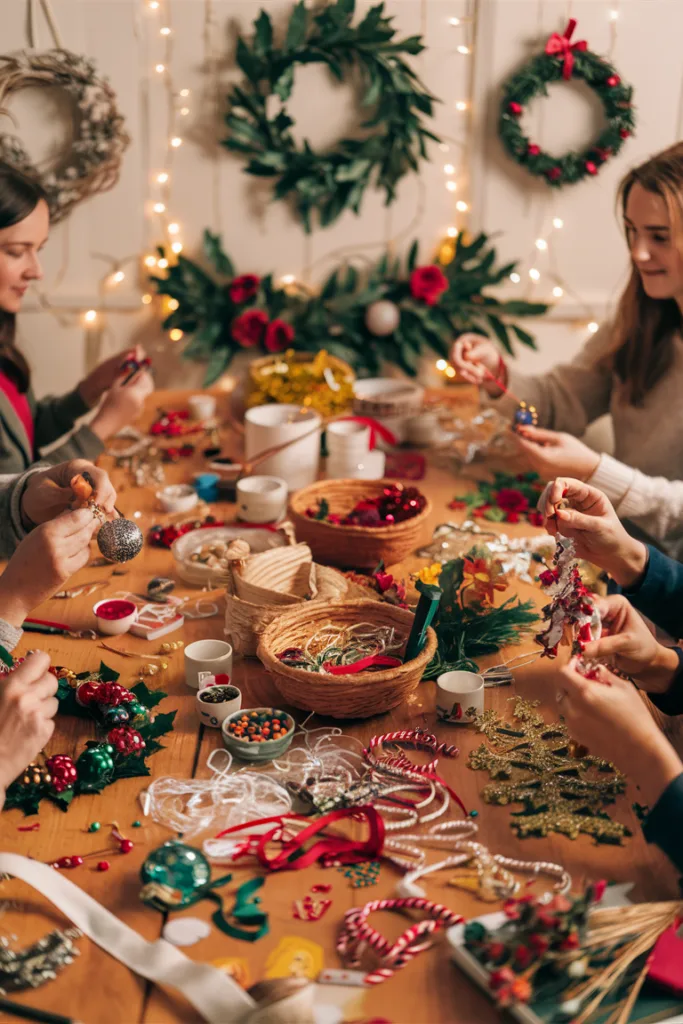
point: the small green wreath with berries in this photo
(563, 60)
(328, 183)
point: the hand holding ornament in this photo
(627, 639)
(103, 377)
(48, 492)
(27, 709)
(591, 522)
(552, 453)
(476, 360)
(123, 403)
(608, 716)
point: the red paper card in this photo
(667, 961)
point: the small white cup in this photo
(346, 438)
(212, 656)
(202, 407)
(177, 498)
(214, 714)
(459, 696)
(115, 627)
(261, 499)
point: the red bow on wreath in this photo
(560, 46)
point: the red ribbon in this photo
(371, 661)
(377, 429)
(329, 850)
(560, 46)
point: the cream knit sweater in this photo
(644, 481)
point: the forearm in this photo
(628, 566)
(660, 674)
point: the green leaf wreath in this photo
(562, 60)
(100, 764)
(395, 134)
(226, 314)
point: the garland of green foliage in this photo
(466, 632)
(532, 81)
(334, 317)
(329, 183)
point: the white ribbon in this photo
(214, 994)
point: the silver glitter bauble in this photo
(120, 540)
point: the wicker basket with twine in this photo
(358, 695)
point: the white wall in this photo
(209, 188)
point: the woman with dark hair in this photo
(632, 368)
(27, 425)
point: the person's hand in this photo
(44, 560)
(48, 493)
(122, 405)
(595, 528)
(104, 376)
(551, 453)
(628, 641)
(608, 716)
(27, 708)
(472, 355)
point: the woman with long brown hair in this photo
(631, 368)
(27, 425)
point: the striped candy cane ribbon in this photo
(356, 935)
(401, 766)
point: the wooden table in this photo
(97, 988)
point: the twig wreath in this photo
(563, 60)
(331, 182)
(94, 159)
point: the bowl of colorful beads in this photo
(259, 734)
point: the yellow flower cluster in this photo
(429, 574)
(319, 383)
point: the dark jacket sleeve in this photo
(659, 595)
(54, 417)
(664, 823)
(671, 702)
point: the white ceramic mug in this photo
(261, 499)
(202, 407)
(212, 656)
(459, 696)
(348, 439)
(214, 714)
(270, 425)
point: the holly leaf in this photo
(106, 674)
(412, 256)
(217, 365)
(296, 30)
(247, 61)
(263, 35)
(25, 798)
(148, 698)
(323, 509)
(131, 767)
(213, 250)
(161, 725)
(63, 799)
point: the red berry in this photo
(515, 108)
(613, 80)
(126, 845)
(533, 149)
(624, 133)
(103, 865)
(554, 173)
(591, 167)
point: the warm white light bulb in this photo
(153, 5)
(534, 274)
(184, 92)
(515, 278)
(461, 206)
(288, 279)
(165, 31)
(160, 68)
(448, 169)
(146, 299)
(454, 21)
(464, 50)
(173, 305)
(176, 334)
(441, 364)
(118, 276)
(184, 111)
(162, 178)
(541, 244)
(177, 247)
(452, 232)
(176, 141)
(150, 261)
(450, 372)
(451, 186)
(91, 316)
(162, 263)
(173, 228)
(461, 105)
(558, 223)
(593, 327)
(613, 15)
(558, 292)
(159, 207)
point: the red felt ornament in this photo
(63, 772)
(126, 740)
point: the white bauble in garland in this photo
(382, 318)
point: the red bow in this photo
(377, 429)
(559, 46)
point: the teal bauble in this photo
(116, 716)
(95, 766)
(138, 714)
(173, 875)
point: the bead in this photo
(164, 665)
(126, 845)
(474, 814)
(103, 865)
(165, 648)
(137, 824)
(94, 826)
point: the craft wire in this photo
(345, 645)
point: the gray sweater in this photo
(12, 532)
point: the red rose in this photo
(248, 328)
(591, 167)
(511, 500)
(515, 108)
(533, 149)
(427, 283)
(244, 287)
(279, 336)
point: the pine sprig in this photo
(396, 102)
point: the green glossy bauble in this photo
(174, 873)
(95, 766)
(138, 714)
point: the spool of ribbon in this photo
(560, 46)
(376, 428)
